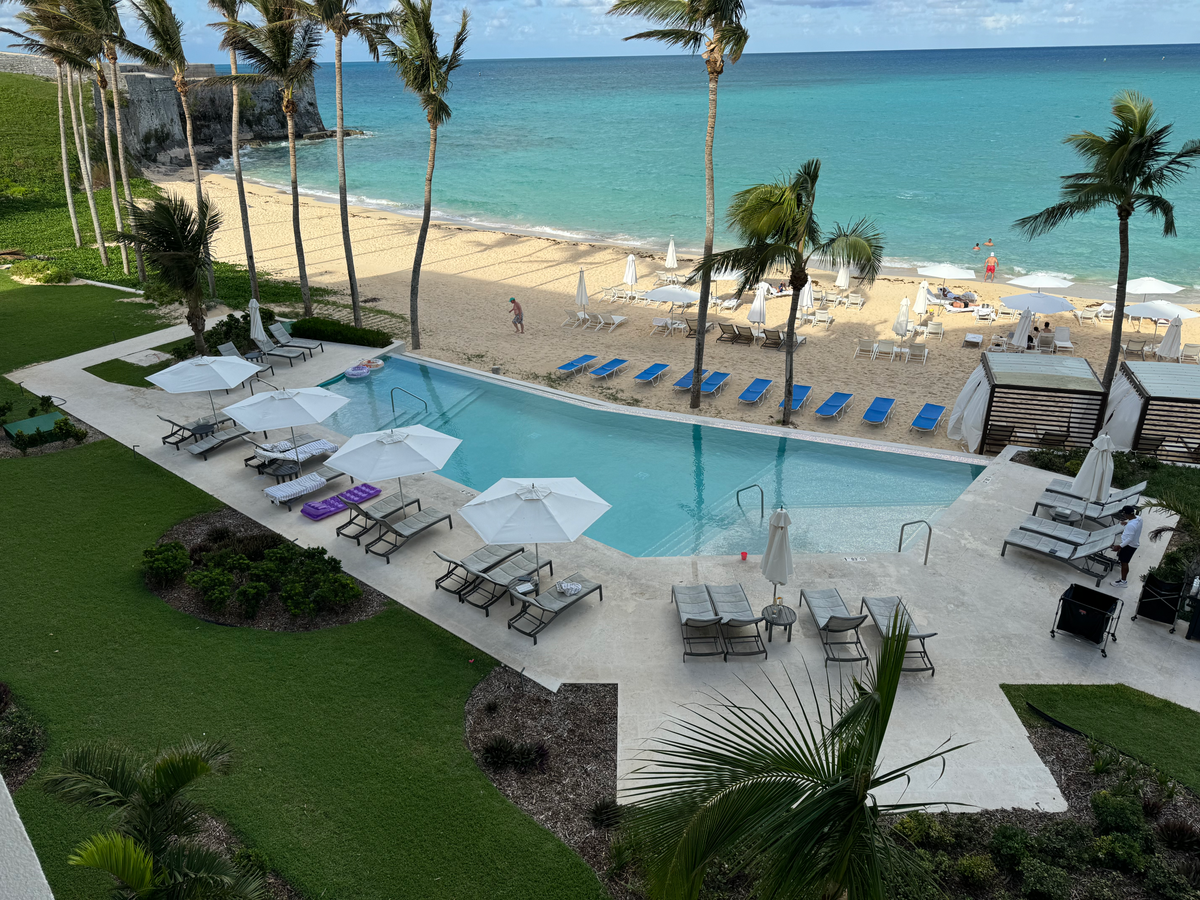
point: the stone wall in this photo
(27, 64)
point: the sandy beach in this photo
(469, 274)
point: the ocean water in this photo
(941, 148)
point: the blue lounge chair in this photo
(800, 393)
(879, 410)
(928, 418)
(714, 382)
(834, 406)
(756, 391)
(652, 374)
(609, 369)
(685, 383)
(575, 366)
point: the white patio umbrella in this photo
(631, 275)
(900, 326)
(1038, 303)
(758, 309)
(842, 282)
(257, 332)
(581, 293)
(921, 304)
(204, 373)
(1145, 286)
(675, 295)
(944, 271)
(376, 455)
(286, 409)
(806, 295)
(1095, 475)
(1160, 309)
(776, 564)
(543, 510)
(1171, 340)
(1040, 282)
(1024, 325)
(672, 263)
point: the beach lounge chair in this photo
(191, 430)
(822, 317)
(1067, 533)
(285, 339)
(1062, 340)
(1086, 315)
(917, 351)
(1105, 313)
(393, 537)
(797, 340)
(714, 383)
(833, 620)
(1136, 346)
(651, 374)
(575, 317)
(685, 383)
(835, 406)
(928, 418)
(772, 339)
(1052, 439)
(1045, 343)
(230, 349)
(365, 519)
(745, 335)
(288, 492)
(885, 349)
(732, 303)
(890, 612)
(215, 441)
(800, 394)
(609, 369)
(458, 577)
(591, 320)
(666, 326)
(935, 328)
(538, 612)
(973, 340)
(728, 333)
(698, 622)
(756, 391)
(856, 301)
(694, 324)
(865, 348)
(739, 621)
(1128, 495)
(610, 322)
(288, 353)
(577, 365)
(489, 587)
(1190, 353)
(1087, 558)
(879, 410)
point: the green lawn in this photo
(1156, 731)
(351, 770)
(120, 371)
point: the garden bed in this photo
(8, 450)
(22, 741)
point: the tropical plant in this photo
(85, 157)
(777, 224)
(425, 72)
(151, 851)
(1129, 167)
(714, 27)
(175, 238)
(772, 788)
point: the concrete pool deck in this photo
(992, 615)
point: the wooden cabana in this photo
(1155, 410)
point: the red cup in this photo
(744, 554)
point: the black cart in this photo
(1090, 614)
(1159, 601)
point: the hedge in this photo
(319, 329)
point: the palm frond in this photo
(121, 857)
(693, 41)
(859, 246)
(94, 774)
(672, 13)
(165, 31)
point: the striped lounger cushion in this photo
(290, 490)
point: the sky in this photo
(557, 28)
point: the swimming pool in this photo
(672, 484)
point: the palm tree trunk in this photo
(304, 294)
(112, 180)
(66, 165)
(112, 64)
(87, 175)
(1114, 346)
(195, 320)
(187, 122)
(710, 219)
(798, 280)
(419, 255)
(237, 177)
(341, 167)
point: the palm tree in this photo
(151, 851)
(714, 26)
(778, 225)
(281, 51)
(86, 165)
(229, 9)
(426, 73)
(165, 31)
(1128, 169)
(176, 240)
(786, 794)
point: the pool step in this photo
(436, 417)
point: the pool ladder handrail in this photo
(392, 394)
(762, 499)
(928, 538)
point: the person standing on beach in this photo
(518, 315)
(990, 262)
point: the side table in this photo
(781, 616)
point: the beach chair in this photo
(1086, 315)
(928, 418)
(834, 406)
(772, 339)
(591, 320)
(230, 349)
(651, 374)
(856, 301)
(365, 519)
(1045, 343)
(797, 340)
(1129, 495)
(885, 349)
(1190, 353)
(745, 335)
(685, 383)
(714, 383)
(538, 612)
(610, 322)
(1068, 533)
(393, 537)
(732, 303)
(577, 365)
(1104, 314)
(216, 441)
(285, 339)
(756, 391)
(488, 588)
(693, 326)
(984, 314)
(879, 410)
(890, 613)
(728, 333)
(864, 348)
(935, 328)
(973, 340)
(822, 317)
(458, 578)
(918, 351)
(800, 394)
(192, 430)
(575, 317)
(609, 369)
(289, 353)
(833, 621)
(1087, 558)
(698, 622)
(288, 492)
(738, 621)
(1052, 439)
(1010, 314)
(1135, 346)
(658, 324)
(298, 450)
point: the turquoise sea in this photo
(942, 148)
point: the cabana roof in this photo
(1042, 372)
(1167, 381)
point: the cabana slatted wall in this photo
(1039, 412)
(1169, 428)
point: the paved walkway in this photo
(992, 615)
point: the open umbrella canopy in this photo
(1024, 325)
(581, 297)
(1146, 286)
(1171, 340)
(944, 271)
(204, 373)
(1095, 475)
(1039, 303)
(673, 293)
(376, 455)
(257, 332)
(758, 309)
(672, 263)
(776, 564)
(286, 409)
(542, 510)
(631, 275)
(1040, 282)
(1160, 309)
(842, 282)
(900, 326)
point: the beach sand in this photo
(469, 274)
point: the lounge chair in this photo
(458, 577)
(928, 418)
(730, 603)
(772, 339)
(879, 410)
(865, 348)
(714, 383)
(609, 369)
(304, 449)
(1105, 314)
(1062, 340)
(685, 383)
(610, 322)
(973, 340)
(1052, 439)
(538, 612)
(800, 394)
(1086, 315)
(728, 333)
(856, 301)
(1190, 353)
(215, 441)
(822, 317)
(885, 348)
(230, 349)
(285, 339)
(833, 619)
(574, 318)
(288, 492)
(797, 340)
(835, 406)
(1124, 495)
(890, 612)
(577, 365)
(1100, 513)
(698, 622)
(393, 537)
(490, 586)
(651, 374)
(191, 430)
(1067, 533)
(935, 328)
(1131, 347)
(756, 391)
(592, 320)
(365, 519)
(745, 335)
(694, 324)
(288, 353)
(917, 351)
(1087, 558)
(666, 326)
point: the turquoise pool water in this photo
(672, 485)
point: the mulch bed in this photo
(217, 835)
(8, 451)
(272, 616)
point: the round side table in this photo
(779, 616)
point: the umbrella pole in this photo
(400, 482)
(213, 405)
(296, 450)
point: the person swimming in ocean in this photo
(976, 247)
(988, 243)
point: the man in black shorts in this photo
(1130, 540)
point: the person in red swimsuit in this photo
(991, 268)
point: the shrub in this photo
(5, 697)
(1178, 834)
(501, 752)
(923, 830)
(1152, 807)
(492, 707)
(977, 870)
(497, 753)
(1118, 851)
(1043, 881)
(165, 564)
(219, 534)
(21, 738)
(527, 757)
(228, 559)
(621, 855)
(66, 430)
(252, 860)
(5, 408)
(1100, 889)
(250, 597)
(1167, 882)
(1064, 843)
(1189, 870)
(41, 272)
(319, 329)
(214, 586)
(1115, 814)
(605, 814)
(22, 441)
(1010, 846)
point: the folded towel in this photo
(290, 490)
(570, 588)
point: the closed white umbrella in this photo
(1122, 413)
(921, 305)
(672, 263)
(1172, 340)
(900, 326)
(286, 409)
(1024, 325)
(204, 373)
(758, 309)
(631, 275)
(842, 282)
(1095, 475)
(376, 455)
(257, 332)
(957, 428)
(944, 271)
(1039, 303)
(581, 293)
(1040, 282)
(776, 564)
(806, 295)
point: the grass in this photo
(352, 774)
(1158, 732)
(121, 371)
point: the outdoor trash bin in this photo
(1088, 613)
